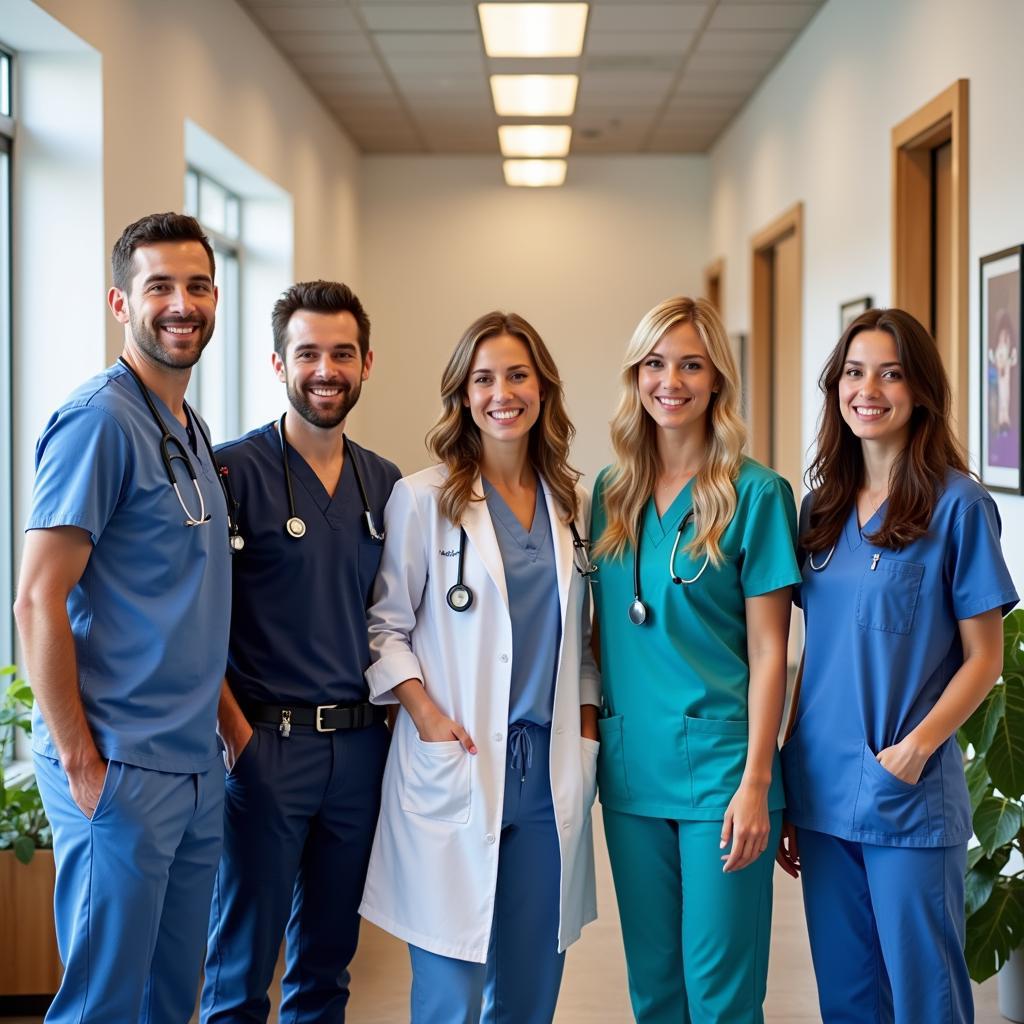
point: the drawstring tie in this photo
(521, 745)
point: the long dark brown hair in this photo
(455, 438)
(918, 475)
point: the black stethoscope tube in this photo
(637, 610)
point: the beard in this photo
(324, 418)
(148, 339)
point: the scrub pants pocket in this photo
(437, 781)
(716, 751)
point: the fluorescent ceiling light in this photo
(535, 173)
(533, 30)
(534, 139)
(534, 95)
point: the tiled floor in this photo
(594, 989)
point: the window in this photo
(6, 390)
(215, 388)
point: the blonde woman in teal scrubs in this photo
(693, 614)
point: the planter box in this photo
(30, 964)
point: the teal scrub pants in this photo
(696, 938)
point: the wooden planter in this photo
(29, 964)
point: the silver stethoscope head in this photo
(236, 542)
(637, 612)
(295, 527)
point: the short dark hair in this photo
(318, 297)
(149, 230)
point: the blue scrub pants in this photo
(133, 892)
(887, 927)
(696, 939)
(299, 818)
(519, 983)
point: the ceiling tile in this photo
(308, 19)
(309, 43)
(620, 17)
(601, 44)
(643, 83)
(420, 17)
(740, 63)
(753, 16)
(463, 64)
(417, 43)
(767, 41)
(339, 64)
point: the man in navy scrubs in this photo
(123, 608)
(304, 748)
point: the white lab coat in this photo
(434, 865)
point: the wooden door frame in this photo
(945, 118)
(760, 370)
(715, 271)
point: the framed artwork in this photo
(740, 351)
(849, 311)
(1002, 371)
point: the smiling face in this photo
(323, 368)
(874, 399)
(676, 380)
(171, 304)
(503, 390)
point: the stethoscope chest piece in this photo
(295, 527)
(236, 541)
(637, 612)
(459, 597)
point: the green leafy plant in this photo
(993, 743)
(23, 824)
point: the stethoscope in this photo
(460, 597)
(638, 610)
(828, 558)
(295, 526)
(172, 450)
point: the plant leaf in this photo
(24, 848)
(982, 872)
(1013, 642)
(978, 783)
(996, 821)
(1005, 755)
(981, 726)
(995, 929)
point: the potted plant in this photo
(993, 743)
(32, 966)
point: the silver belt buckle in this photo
(320, 727)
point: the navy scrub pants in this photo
(299, 818)
(886, 925)
(133, 892)
(519, 983)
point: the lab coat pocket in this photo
(437, 781)
(611, 762)
(888, 806)
(369, 562)
(716, 750)
(589, 750)
(888, 593)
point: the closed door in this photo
(787, 456)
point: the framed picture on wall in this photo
(740, 348)
(849, 311)
(1002, 371)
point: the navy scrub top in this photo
(150, 614)
(298, 621)
(531, 579)
(882, 642)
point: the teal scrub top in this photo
(674, 729)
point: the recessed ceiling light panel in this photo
(534, 173)
(534, 140)
(533, 30)
(534, 95)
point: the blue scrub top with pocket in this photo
(150, 614)
(674, 733)
(882, 644)
(298, 622)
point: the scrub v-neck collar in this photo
(855, 533)
(658, 527)
(530, 540)
(303, 473)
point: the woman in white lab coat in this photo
(483, 857)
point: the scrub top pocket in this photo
(611, 762)
(886, 805)
(888, 594)
(369, 562)
(437, 781)
(716, 750)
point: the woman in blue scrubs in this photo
(694, 616)
(483, 859)
(904, 587)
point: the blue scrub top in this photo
(674, 734)
(298, 622)
(531, 580)
(150, 613)
(882, 643)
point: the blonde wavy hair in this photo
(455, 439)
(635, 471)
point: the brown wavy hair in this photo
(455, 439)
(918, 475)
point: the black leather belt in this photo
(323, 717)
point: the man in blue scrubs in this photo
(123, 608)
(304, 748)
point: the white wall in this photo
(819, 131)
(445, 240)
